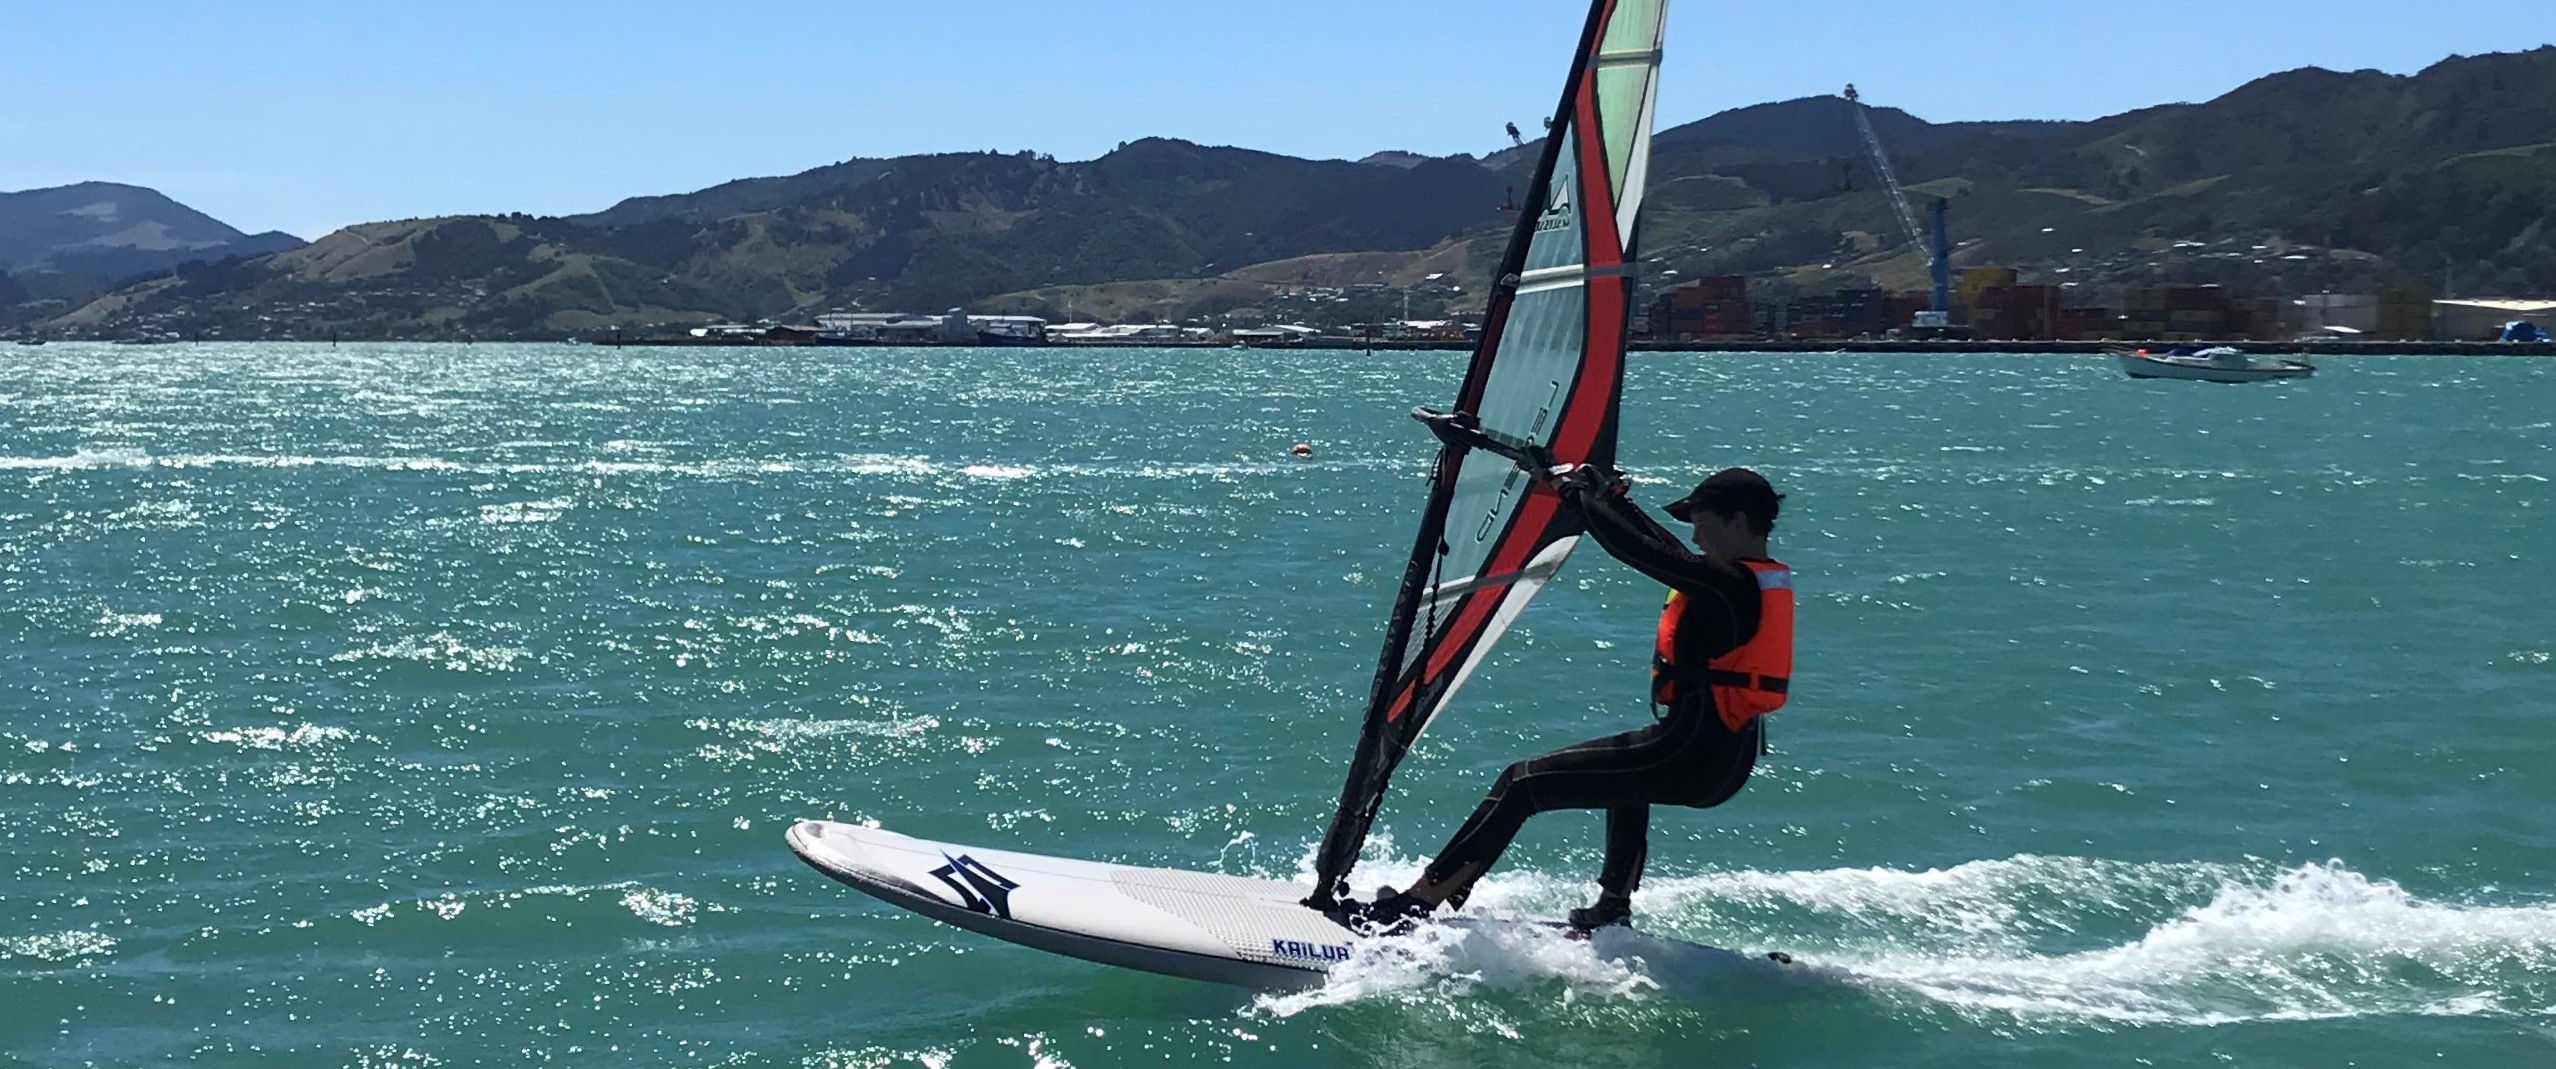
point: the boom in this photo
(1890, 177)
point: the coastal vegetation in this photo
(2306, 181)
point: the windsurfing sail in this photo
(1543, 386)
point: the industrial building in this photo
(2485, 320)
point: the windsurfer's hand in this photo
(1562, 476)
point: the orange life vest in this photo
(1748, 682)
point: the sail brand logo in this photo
(1509, 488)
(1290, 948)
(1499, 506)
(1544, 415)
(980, 889)
(1557, 215)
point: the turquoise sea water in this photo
(408, 706)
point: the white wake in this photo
(2041, 941)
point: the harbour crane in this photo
(1942, 252)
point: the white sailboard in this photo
(1200, 925)
(1543, 386)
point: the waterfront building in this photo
(1279, 337)
(1125, 334)
(882, 328)
(2482, 319)
(960, 328)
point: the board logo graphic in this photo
(1557, 212)
(980, 889)
(1296, 948)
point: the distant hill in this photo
(2458, 106)
(2299, 181)
(1395, 159)
(926, 232)
(741, 197)
(63, 247)
(1822, 127)
(104, 228)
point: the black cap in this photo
(1731, 490)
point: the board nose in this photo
(810, 839)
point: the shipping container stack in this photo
(2185, 313)
(2265, 319)
(1845, 314)
(2196, 313)
(2143, 313)
(1977, 280)
(1773, 319)
(1707, 308)
(2089, 324)
(2015, 313)
(2404, 315)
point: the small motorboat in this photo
(2221, 363)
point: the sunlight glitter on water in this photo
(448, 716)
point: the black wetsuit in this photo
(1688, 758)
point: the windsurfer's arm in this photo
(1626, 533)
(1630, 535)
(1636, 516)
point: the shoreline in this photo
(2042, 348)
(2019, 348)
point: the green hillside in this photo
(2302, 181)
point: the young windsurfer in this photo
(1723, 659)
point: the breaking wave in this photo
(2030, 941)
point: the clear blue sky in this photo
(306, 116)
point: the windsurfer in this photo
(1723, 659)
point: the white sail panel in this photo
(1628, 65)
(1518, 592)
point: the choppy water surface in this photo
(444, 705)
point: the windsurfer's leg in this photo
(1628, 845)
(1628, 838)
(1728, 760)
(1599, 774)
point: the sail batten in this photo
(1546, 278)
(1544, 382)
